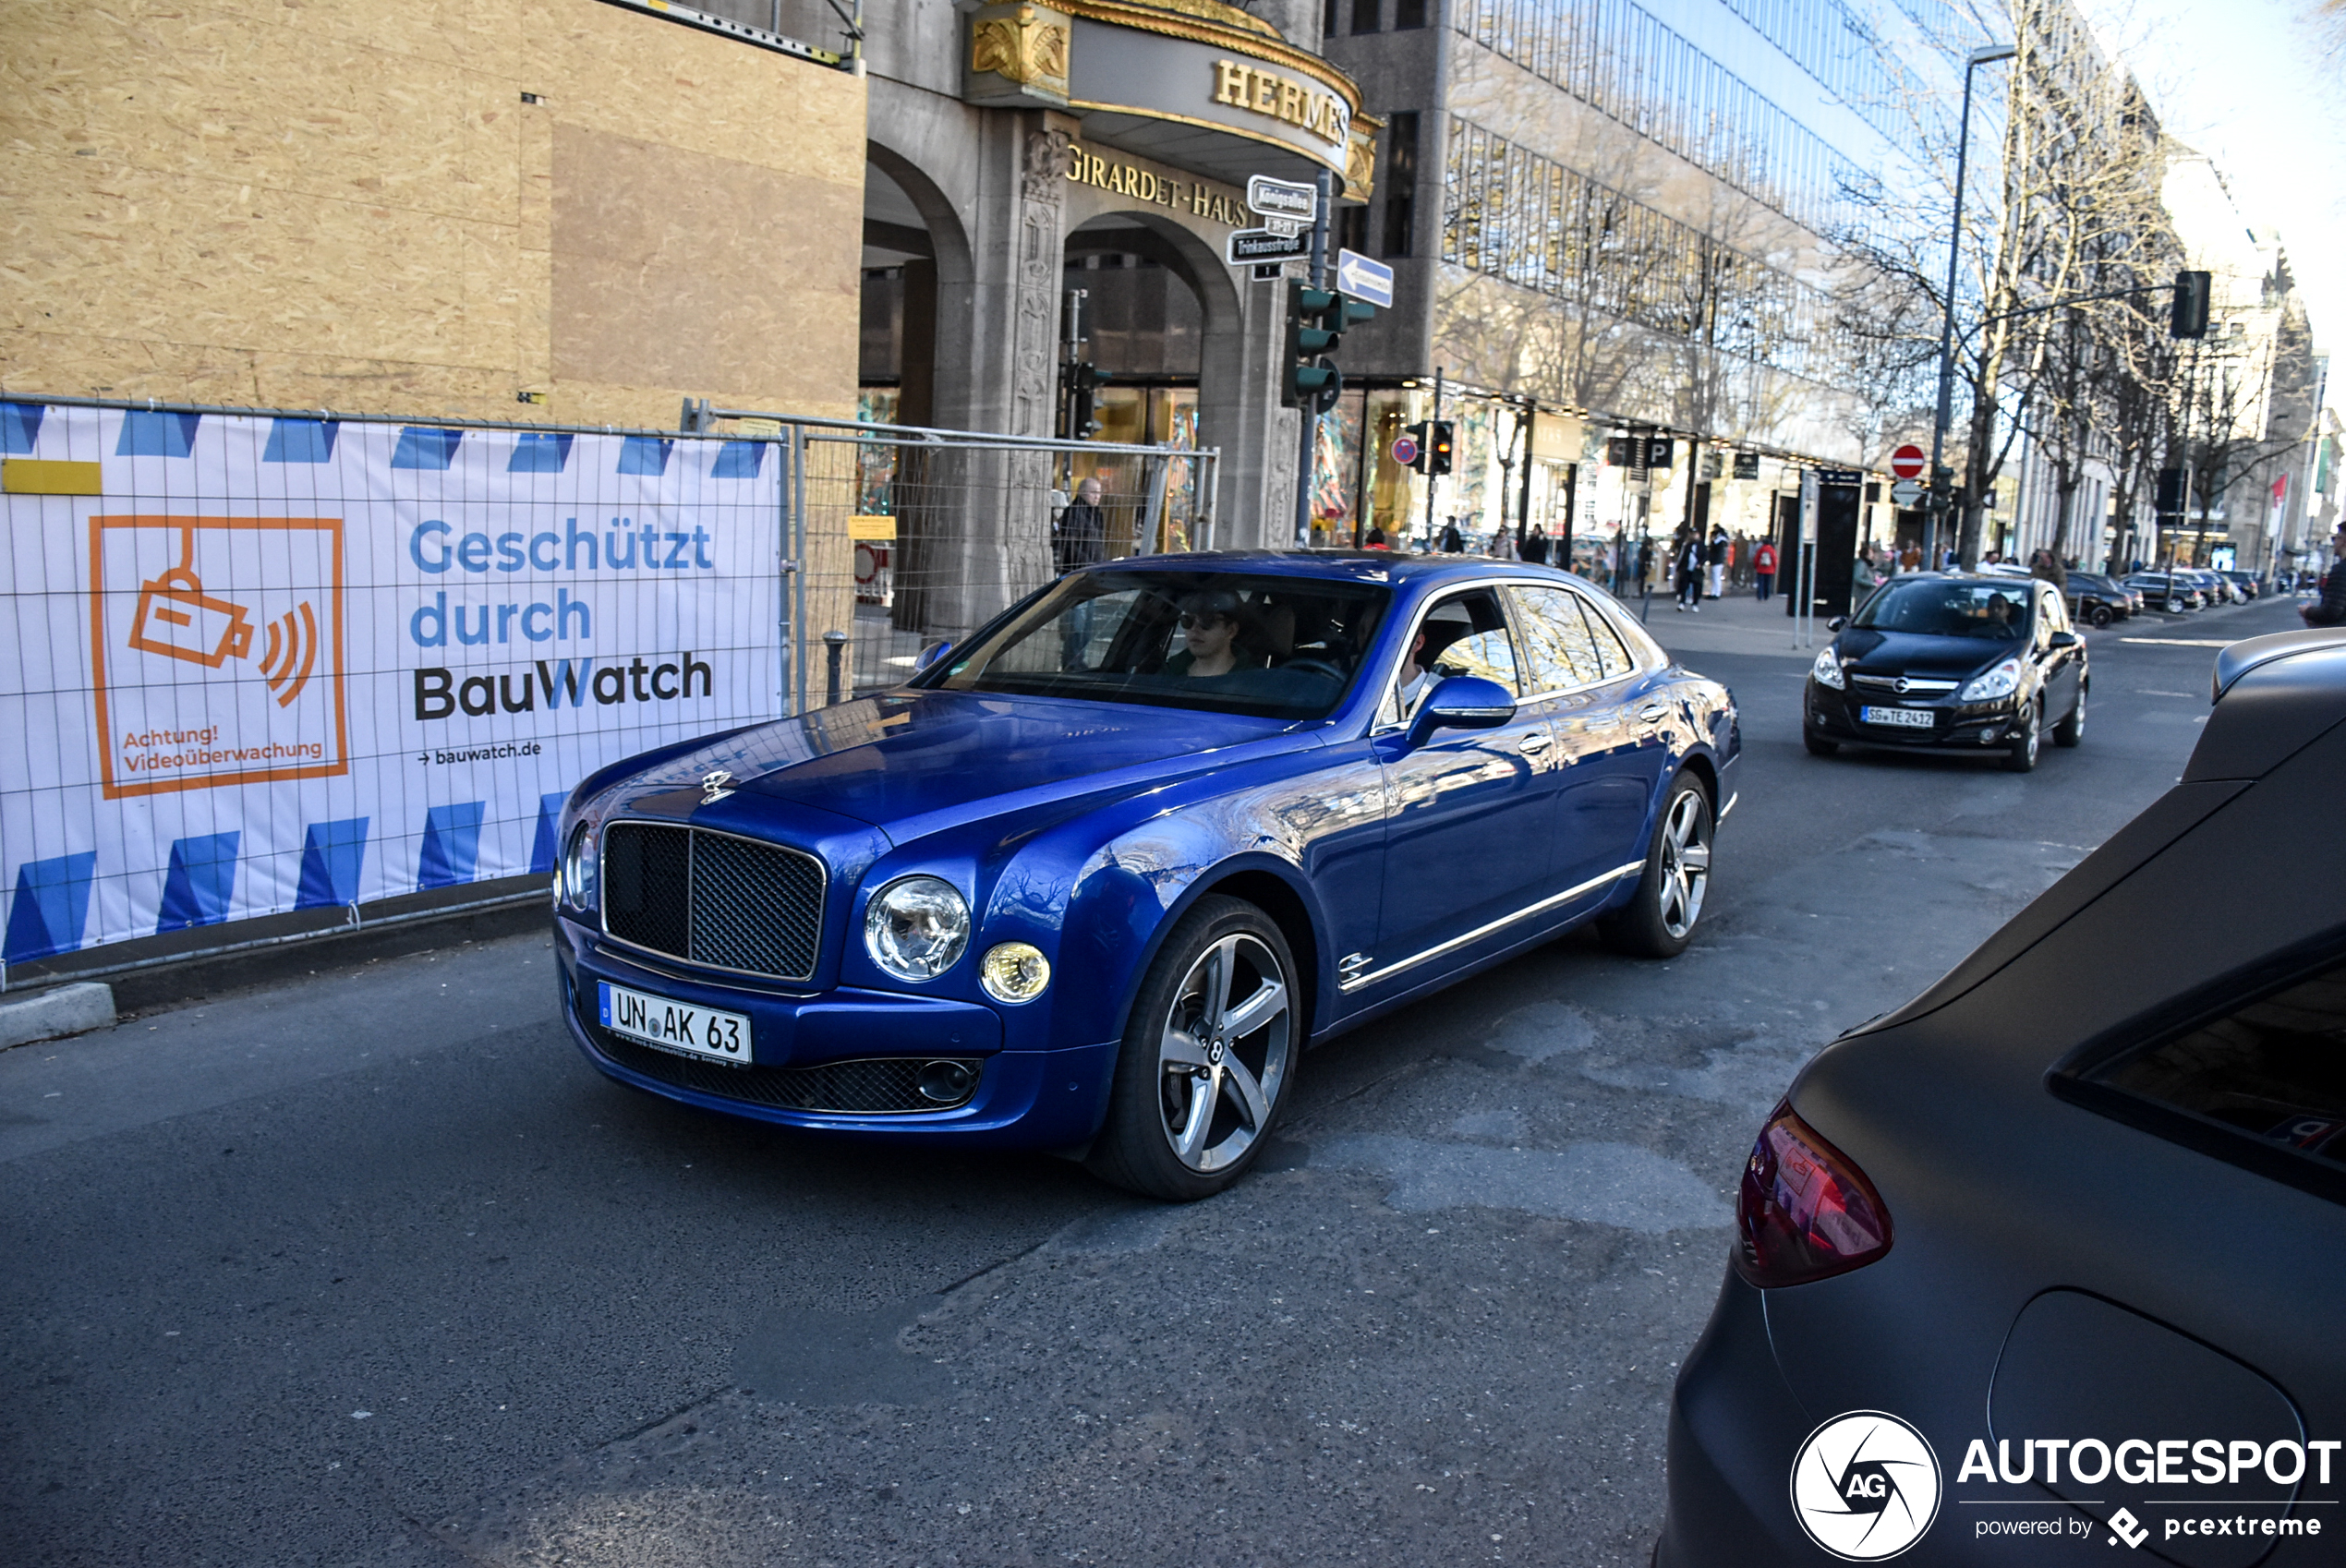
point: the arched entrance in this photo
(1150, 323)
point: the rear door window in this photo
(1562, 650)
(2261, 1083)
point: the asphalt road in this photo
(373, 1269)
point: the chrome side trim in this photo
(1729, 806)
(1479, 932)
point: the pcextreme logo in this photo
(1865, 1486)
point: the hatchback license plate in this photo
(673, 1026)
(1907, 717)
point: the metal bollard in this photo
(834, 645)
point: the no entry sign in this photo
(1907, 461)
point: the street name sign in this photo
(1907, 461)
(1262, 245)
(1359, 278)
(1282, 199)
(1906, 492)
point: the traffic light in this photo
(2189, 318)
(1082, 382)
(1316, 319)
(1437, 446)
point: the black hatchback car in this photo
(2052, 1259)
(1949, 661)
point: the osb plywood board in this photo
(694, 270)
(264, 201)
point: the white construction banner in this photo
(270, 664)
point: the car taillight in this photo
(1806, 1211)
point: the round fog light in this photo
(1015, 972)
(947, 1083)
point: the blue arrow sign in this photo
(1359, 278)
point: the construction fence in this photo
(280, 660)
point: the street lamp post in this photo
(1942, 478)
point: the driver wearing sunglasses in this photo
(1209, 636)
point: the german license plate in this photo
(1905, 718)
(674, 1026)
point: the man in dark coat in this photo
(1083, 530)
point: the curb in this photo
(45, 1015)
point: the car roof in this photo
(1336, 565)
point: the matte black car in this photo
(2052, 1259)
(1951, 662)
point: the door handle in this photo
(1535, 742)
(1653, 713)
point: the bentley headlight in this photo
(1827, 669)
(1014, 971)
(2001, 681)
(577, 880)
(916, 927)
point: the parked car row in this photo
(2188, 588)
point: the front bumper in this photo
(800, 1040)
(1973, 727)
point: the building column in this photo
(1238, 411)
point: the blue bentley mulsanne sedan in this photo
(1092, 880)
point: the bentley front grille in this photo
(713, 898)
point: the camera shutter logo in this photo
(1865, 1486)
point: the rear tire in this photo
(1207, 1057)
(1660, 918)
(2071, 730)
(1817, 745)
(2103, 616)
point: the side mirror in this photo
(1462, 702)
(930, 656)
(2066, 639)
(1836, 623)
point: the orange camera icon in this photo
(178, 620)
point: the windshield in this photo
(1994, 611)
(1271, 647)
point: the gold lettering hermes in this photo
(1305, 103)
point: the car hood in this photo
(899, 758)
(1910, 653)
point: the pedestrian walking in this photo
(1376, 540)
(1763, 569)
(1535, 546)
(1453, 542)
(1910, 560)
(1715, 557)
(1689, 563)
(1082, 529)
(2331, 609)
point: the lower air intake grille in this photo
(871, 1085)
(713, 898)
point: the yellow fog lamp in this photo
(1014, 972)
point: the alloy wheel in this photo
(1685, 864)
(1224, 1052)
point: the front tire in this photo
(2029, 742)
(2103, 616)
(1659, 920)
(1207, 1057)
